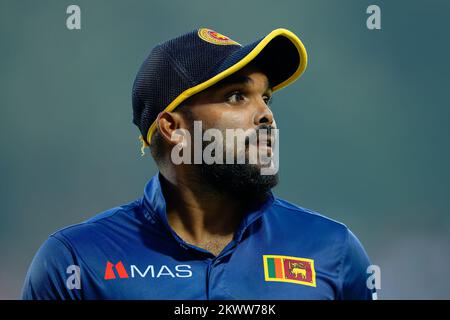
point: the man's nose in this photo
(263, 114)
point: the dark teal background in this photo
(364, 133)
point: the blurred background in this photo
(364, 132)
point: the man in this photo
(206, 229)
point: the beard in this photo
(243, 181)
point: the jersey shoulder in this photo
(104, 224)
(304, 224)
(291, 212)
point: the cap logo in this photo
(214, 37)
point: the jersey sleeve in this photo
(53, 273)
(354, 271)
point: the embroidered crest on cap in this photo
(214, 37)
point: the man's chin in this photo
(240, 180)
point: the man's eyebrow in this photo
(238, 80)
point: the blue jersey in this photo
(280, 251)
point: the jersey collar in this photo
(155, 209)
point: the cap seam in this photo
(178, 68)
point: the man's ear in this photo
(169, 124)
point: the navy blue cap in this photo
(181, 67)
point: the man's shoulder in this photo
(300, 217)
(104, 222)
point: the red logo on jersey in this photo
(109, 272)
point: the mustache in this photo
(266, 130)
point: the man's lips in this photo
(260, 138)
(264, 141)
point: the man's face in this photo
(241, 101)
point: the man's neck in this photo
(199, 214)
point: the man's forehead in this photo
(243, 77)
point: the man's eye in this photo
(235, 97)
(267, 100)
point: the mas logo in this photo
(214, 37)
(289, 269)
(120, 271)
(109, 271)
